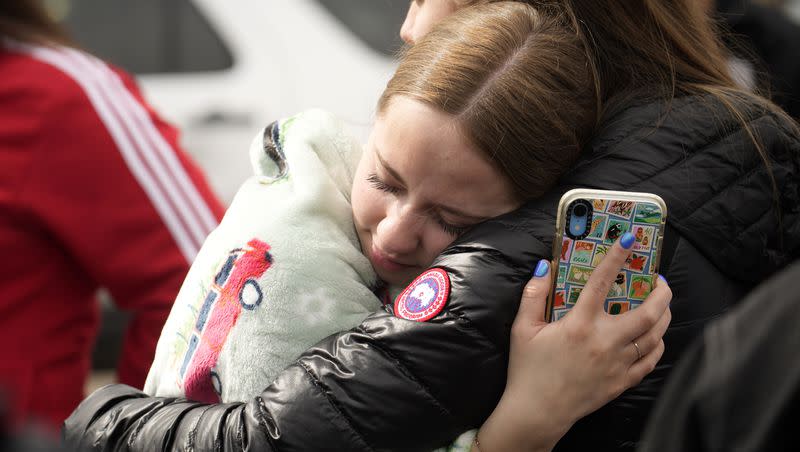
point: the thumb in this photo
(534, 296)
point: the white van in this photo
(221, 69)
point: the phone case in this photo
(612, 213)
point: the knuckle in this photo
(652, 340)
(595, 291)
(650, 318)
(662, 293)
(668, 291)
(663, 325)
(651, 365)
(642, 324)
(595, 354)
(618, 255)
(532, 291)
(577, 332)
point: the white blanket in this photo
(282, 271)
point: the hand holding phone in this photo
(587, 225)
(559, 372)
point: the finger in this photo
(649, 340)
(636, 322)
(644, 366)
(603, 276)
(534, 296)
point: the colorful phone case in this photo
(612, 214)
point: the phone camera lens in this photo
(580, 210)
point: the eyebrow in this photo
(450, 210)
(388, 168)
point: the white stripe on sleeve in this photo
(155, 152)
(146, 153)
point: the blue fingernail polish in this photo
(661, 277)
(541, 268)
(627, 240)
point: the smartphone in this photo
(587, 225)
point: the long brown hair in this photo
(660, 49)
(653, 48)
(28, 21)
(516, 81)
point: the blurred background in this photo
(220, 70)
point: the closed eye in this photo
(449, 228)
(381, 185)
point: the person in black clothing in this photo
(725, 161)
(738, 385)
(673, 122)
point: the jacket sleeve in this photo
(388, 384)
(124, 200)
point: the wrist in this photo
(514, 427)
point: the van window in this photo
(144, 36)
(375, 22)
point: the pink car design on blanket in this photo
(234, 287)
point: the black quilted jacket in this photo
(393, 384)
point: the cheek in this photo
(368, 206)
(436, 240)
(427, 18)
(360, 193)
(422, 26)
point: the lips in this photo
(383, 261)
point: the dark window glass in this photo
(376, 22)
(146, 36)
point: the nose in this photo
(400, 232)
(408, 25)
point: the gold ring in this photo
(638, 351)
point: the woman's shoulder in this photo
(707, 163)
(49, 68)
(656, 135)
(687, 141)
(726, 113)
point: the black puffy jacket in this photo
(393, 384)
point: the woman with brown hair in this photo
(452, 147)
(673, 121)
(94, 192)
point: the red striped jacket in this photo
(94, 192)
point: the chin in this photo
(399, 279)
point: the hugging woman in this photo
(672, 122)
